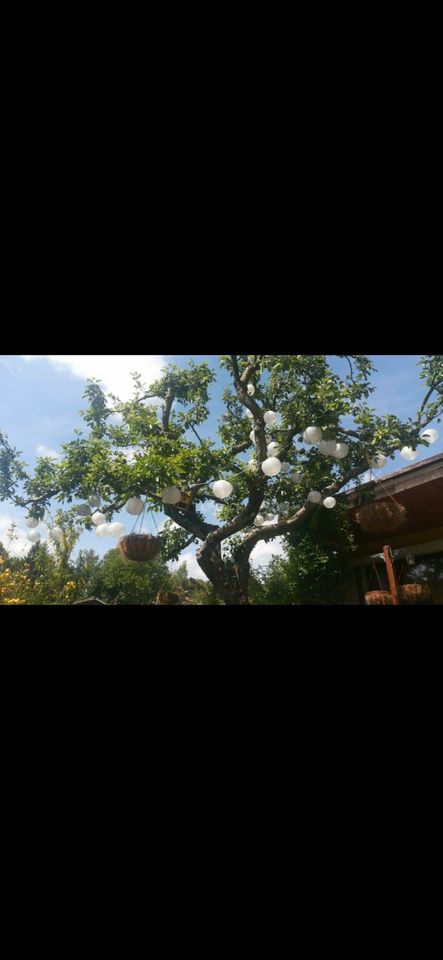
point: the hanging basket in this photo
(378, 598)
(414, 593)
(166, 599)
(384, 517)
(140, 547)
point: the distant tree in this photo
(121, 581)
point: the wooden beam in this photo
(391, 575)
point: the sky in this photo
(41, 396)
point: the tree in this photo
(120, 581)
(147, 452)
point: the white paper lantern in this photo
(84, 510)
(296, 477)
(34, 536)
(259, 520)
(329, 503)
(285, 468)
(270, 417)
(431, 436)
(116, 530)
(273, 449)
(98, 519)
(379, 461)
(271, 467)
(171, 495)
(408, 453)
(251, 390)
(222, 489)
(314, 496)
(32, 523)
(135, 506)
(327, 448)
(103, 530)
(94, 501)
(56, 533)
(341, 451)
(312, 435)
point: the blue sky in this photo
(40, 399)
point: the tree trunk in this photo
(225, 581)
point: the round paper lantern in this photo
(273, 449)
(171, 495)
(135, 506)
(94, 501)
(341, 451)
(271, 467)
(56, 533)
(259, 520)
(251, 389)
(84, 510)
(327, 448)
(98, 519)
(329, 503)
(32, 523)
(103, 530)
(295, 477)
(285, 468)
(314, 496)
(116, 530)
(408, 453)
(270, 417)
(431, 436)
(222, 489)
(379, 461)
(312, 435)
(34, 536)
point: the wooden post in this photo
(387, 553)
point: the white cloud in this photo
(264, 552)
(194, 570)
(18, 547)
(43, 451)
(114, 371)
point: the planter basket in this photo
(378, 598)
(414, 593)
(382, 517)
(165, 599)
(140, 547)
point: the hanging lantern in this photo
(222, 489)
(312, 435)
(296, 477)
(271, 467)
(270, 417)
(32, 523)
(431, 436)
(329, 503)
(56, 534)
(341, 451)
(284, 507)
(84, 510)
(314, 496)
(94, 501)
(251, 390)
(171, 495)
(379, 461)
(408, 453)
(98, 519)
(135, 506)
(103, 531)
(116, 530)
(285, 468)
(259, 520)
(34, 536)
(327, 448)
(273, 449)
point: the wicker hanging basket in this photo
(140, 547)
(384, 517)
(378, 598)
(414, 593)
